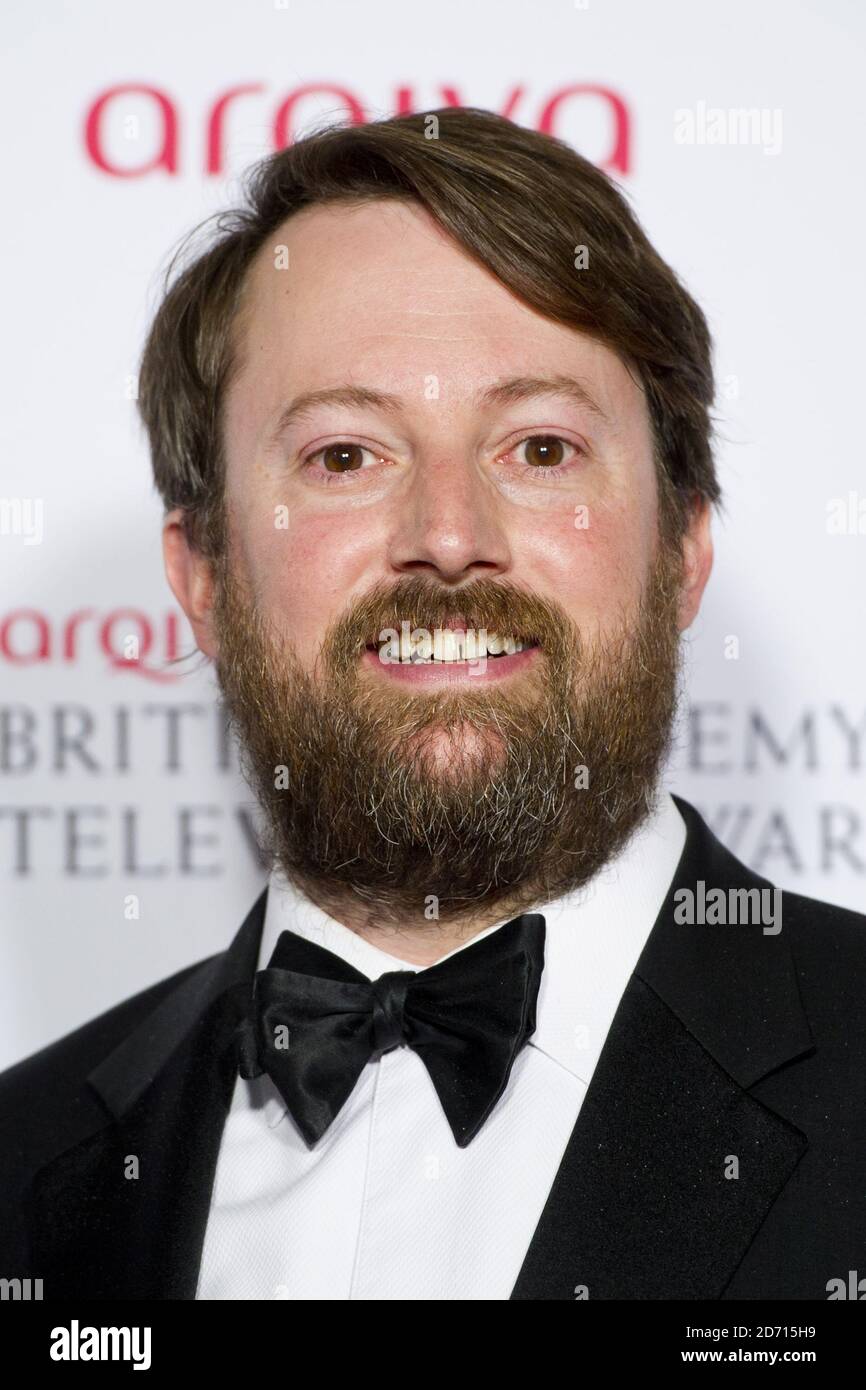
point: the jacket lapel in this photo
(642, 1207)
(121, 1211)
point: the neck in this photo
(418, 940)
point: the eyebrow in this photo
(506, 392)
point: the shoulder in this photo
(48, 1088)
(60, 1067)
(814, 921)
(828, 944)
(816, 927)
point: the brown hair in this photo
(520, 203)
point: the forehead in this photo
(377, 294)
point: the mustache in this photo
(493, 605)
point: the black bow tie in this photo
(315, 1022)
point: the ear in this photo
(190, 575)
(697, 548)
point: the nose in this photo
(448, 525)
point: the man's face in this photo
(378, 297)
(469, 498)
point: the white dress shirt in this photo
(386, 1205)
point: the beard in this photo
(437, 804)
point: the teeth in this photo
(448, 645)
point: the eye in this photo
(546, 453)
(339, 458)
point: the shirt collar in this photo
(593, 939)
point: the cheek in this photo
(307, 568)
(598, 559)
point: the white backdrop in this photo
(116, 781)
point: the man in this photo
(430, 423)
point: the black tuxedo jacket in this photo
(728, 1044)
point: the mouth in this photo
(449, 653)
(446, 646)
